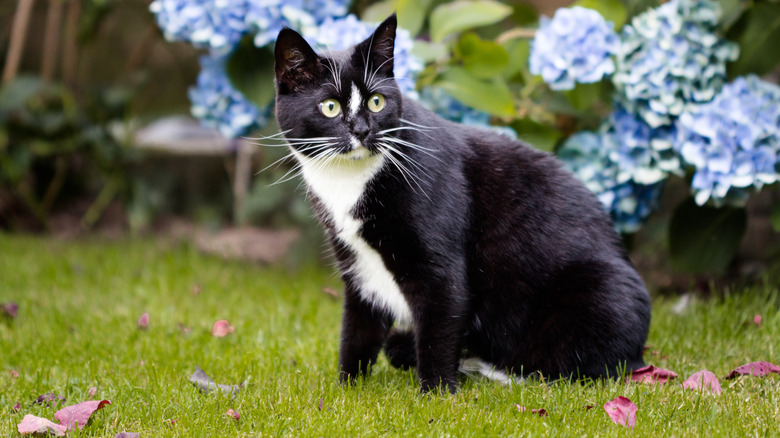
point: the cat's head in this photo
(341, 101)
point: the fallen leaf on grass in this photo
(651, 374)
(540, 412)
(31, 424)
(143, 321)
(757, 320)
(48, 398)
(703, 380)
(222, 328)
(234, 414)
(330, 292)
(9, 310)
(126, 435)
(621, 411)
(758, 369)
(70, 416)
(205, 384)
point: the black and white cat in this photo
(487, 253)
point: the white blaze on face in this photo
(354, 101)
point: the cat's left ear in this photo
(379, 46)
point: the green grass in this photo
(76, 329)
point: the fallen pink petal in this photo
(757, 320)
(126, 435)
(17, 407)
(651, 374)
(703, 380)
(14, 374)
(319, 407)
(143, 321)
(234, 414)
(222, 328)
(48, 398)
(757, 369)
(621, 411)
(540, 412)
(92, 391)
(79, 414)
(31, 424)
(9, 310)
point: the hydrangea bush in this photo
(217, 104)
(576, 45)
(733, 141)
(672, 59)
(673, 112)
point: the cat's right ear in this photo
(297, 65)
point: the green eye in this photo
(330, 107)
(376, 102)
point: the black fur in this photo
(499, 252)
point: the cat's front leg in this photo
(439, 323)
(363, 332)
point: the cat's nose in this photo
(360, 129)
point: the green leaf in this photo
(731, 10)
(427, 51)
(251, 71)
(519, 50)
(758, 35)
(411, 13)
(483, 59)
(460, 15)
(704, 239)
(775, 217)
(541, 137)
(15, 94)
(611, 10)
(524, 14)
(492, 96)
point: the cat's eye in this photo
(376, 102)
(330, 107)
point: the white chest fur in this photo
(339, 184)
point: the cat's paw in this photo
(400, 349)
(438, 387)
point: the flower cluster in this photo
(438, 101)
(214, 25)
(267, 17)
(341, 33)
(733, 142)
(218, 105)
(671, 60)
(590, 156)
(642, 153)
(576, 45)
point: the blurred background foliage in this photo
(82, 79)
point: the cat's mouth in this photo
(357, 151)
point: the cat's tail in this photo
(400, 350)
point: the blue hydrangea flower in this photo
(341, 33)
(576, 45)
(218, 105)
(643, 154)
(214, 25)
(671, 60)
(267, 17)
(589, 155)
(446, 106)
(733, 142)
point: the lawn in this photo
(76, 329)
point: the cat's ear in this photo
(297, 65)
(379, 46)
